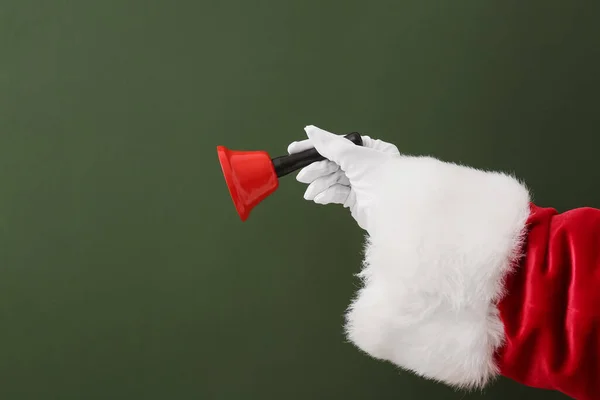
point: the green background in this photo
(125, 272)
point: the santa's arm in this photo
(465, 279)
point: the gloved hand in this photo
(348, 174)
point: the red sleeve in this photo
(551, 311)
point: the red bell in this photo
(251, 176)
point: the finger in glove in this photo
(321, 184)
(336, 194)
(317, 170)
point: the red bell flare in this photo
(250, 177)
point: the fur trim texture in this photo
(442, 237)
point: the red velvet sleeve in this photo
(551, 310)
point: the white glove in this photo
(347, 175)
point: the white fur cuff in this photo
(442, 237)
